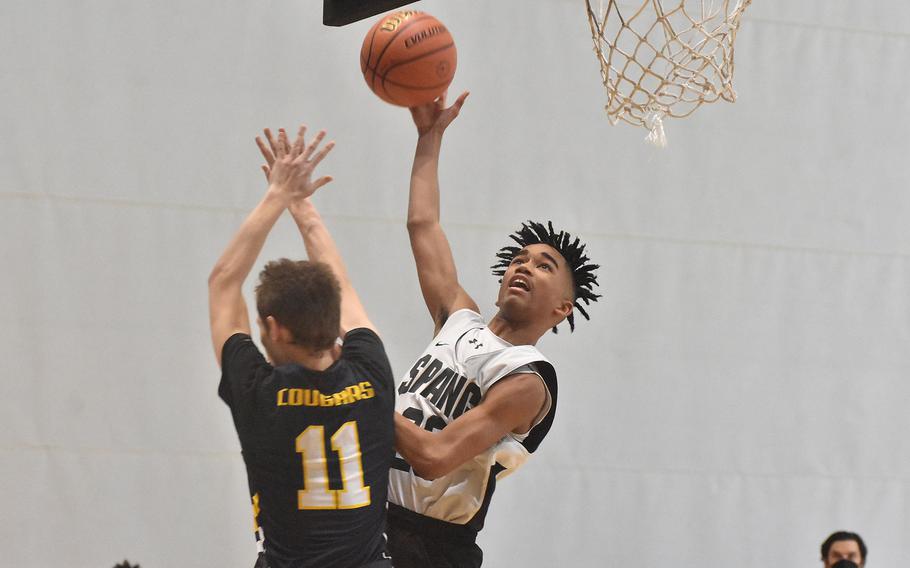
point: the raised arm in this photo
(320, 246)
(289, 180)
(227, 310)
(432, 254)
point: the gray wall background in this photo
(741, 392)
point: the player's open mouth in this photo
(519, 283)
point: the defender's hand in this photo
(289, 167)
(434, 116)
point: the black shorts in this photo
(262, 562)
(416, 541)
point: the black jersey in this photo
(317, 447)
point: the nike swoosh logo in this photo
(438, 344)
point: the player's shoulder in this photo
(363, 351)
(240, 354)
(243, 370)
(360, 340)
(237, 341)
(516, 355)
(462, 320)
(495, 365)
(362, 333)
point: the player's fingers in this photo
(266, 153)
(453, 110)
(321, 182)
(459, 102)
(299, 143)
(322, 153)
(279, 146)
(273, 144)
(313, 145)
(441, 101)
(267, 172)
(283, 145)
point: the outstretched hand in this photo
(434, 116)
(289, 167)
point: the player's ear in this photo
(282, 332)
(273, 329)
(564, 309)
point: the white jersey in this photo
(452, 376)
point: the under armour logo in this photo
(473, 341)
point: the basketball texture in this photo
(408, 58)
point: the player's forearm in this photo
(511, 404)
(320, 246)
(423, 202)
(238, 258)
(434, 454)
(420, 449)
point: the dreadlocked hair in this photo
(583, 277)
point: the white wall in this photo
(741, 392)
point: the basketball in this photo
(408, 58)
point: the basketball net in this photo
(664, 58)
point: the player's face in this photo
(537, 286)
(844, 550)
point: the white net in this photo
(664, 58)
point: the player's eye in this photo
(545, 266)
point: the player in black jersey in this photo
(480, 398)
(314, 418)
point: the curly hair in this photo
(583, 277)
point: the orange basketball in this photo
(408, 58)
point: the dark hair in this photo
(303, 296)
(583, 277)
(843, 535)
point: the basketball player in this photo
(440, 491)
(314, 419)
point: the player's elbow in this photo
(432, 463)
(222, 282)
(429, 471)
(418, 223)
(216, 276)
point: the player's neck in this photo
(314, 360)
(516, 333)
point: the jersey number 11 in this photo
(316, 493)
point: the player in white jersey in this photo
(441, 484)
